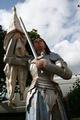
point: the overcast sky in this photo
(57, 21)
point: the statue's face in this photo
(39, 45)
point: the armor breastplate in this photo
(41, 78)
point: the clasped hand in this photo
(40, 63)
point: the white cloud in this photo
(5, 17)
(58, 22)
(70, 52)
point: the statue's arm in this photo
(62, 71)
(17, 60)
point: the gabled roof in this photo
(15, 26)
(15, 23)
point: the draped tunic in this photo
(44, 98)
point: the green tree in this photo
(74, 99)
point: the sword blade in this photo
(28, 38)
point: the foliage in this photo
(74, 99)
(2, 64)
(33, 34)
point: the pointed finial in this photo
(15, 23)
(14, 9)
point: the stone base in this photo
(19, 107)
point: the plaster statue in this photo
(16, 68)
(44, 97)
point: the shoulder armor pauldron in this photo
(54, 57)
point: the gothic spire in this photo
(15, 23)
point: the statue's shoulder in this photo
(54, 56)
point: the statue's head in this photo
(34, 36)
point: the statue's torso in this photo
(42, 78)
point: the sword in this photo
(28, 38)
(29, 41)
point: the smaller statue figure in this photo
(16, 68)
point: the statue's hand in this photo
(40, 63)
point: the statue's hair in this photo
(33, 36)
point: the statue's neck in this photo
(41, 53)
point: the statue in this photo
(44, 98)
(16, 68)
